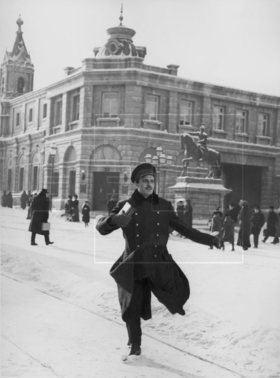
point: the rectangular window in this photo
(218, 118)
(241, 121)
(17, 119)
(45, 108)
(75, 107)
(21, 178)
(58, 112)
(30, 115)
(9, 180)
(110, 105)
(186, 112)
(263, 124)
(151, 107)
(35, 178)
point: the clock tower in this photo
(17, 71)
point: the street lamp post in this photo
(52, 154)
(158, 160)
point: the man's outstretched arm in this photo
(191, 233)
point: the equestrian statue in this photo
(200, 153)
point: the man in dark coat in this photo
(86, 213)
(188, 213)
(257, 221)
(244, 230)
(23, 200)
(271, 224)
(40, 214)
(145, 265)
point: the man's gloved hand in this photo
(217, 242)
(120, 220)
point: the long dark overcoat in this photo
(146, 254)
(245, 227)
(257, 221)
(40, 214)
(85, 213)
(271, 224)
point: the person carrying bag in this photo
(39, 222)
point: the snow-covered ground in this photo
(61, 317)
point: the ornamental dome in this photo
(120, 44)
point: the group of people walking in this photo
(7, 199)
(250, 223)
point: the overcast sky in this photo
(233, 43)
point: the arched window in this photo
(20, 85)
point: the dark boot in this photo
(47, 239)
(33, 235)
(135, 350)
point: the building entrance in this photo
(104, 185)
(245, 183)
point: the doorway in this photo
(104, 184)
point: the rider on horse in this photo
(202, 139)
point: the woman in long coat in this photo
(86, 213)
(146, 265)
(245, 227)
(75, 209)
(228, 229)
(40, 215)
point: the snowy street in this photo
(61, 318)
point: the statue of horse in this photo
(193, 152)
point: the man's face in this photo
(146, 185)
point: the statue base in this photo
(206, 194)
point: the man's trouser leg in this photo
(47, 238)
(133, 322)
(33, 235)
(256, 240)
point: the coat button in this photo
(158, 224)
(157, 235)
(137, 235)
(138, 246)
(137, 224)
(157, 212)
(136, 213)
(155, 255)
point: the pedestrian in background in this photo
(75, 209)
(188, 214)
(4, 199)
(228, 229)
(216, 225)
(112, 202)
(257, 221)
(23, 200)
(40, 214)
(9, 200)
(86, 213)
(244, 226)
(271, 224)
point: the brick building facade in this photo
(86, 132)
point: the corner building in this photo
(85, 133)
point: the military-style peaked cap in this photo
(143, 169)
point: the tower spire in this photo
(121, 15)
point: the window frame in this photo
(30, 115)
(182, 116)
(110, 113)
(241, 121)
(220, 116)
(265, 124)
(151, 116)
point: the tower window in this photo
(151, 107)
(20, 85)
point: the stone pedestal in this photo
(206, 194)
